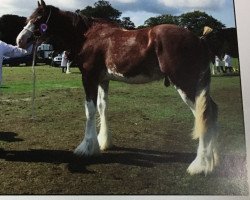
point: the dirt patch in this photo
(151, 154)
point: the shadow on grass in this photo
(231, 166)
(125, 156)
(9, 137)
(4, 87)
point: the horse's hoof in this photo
(105, 142)
(198, 166)
(88, 148)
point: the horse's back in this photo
(178, 48)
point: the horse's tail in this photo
(201, 111)
(206, 31)
(205, 108)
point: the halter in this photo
(42, 28)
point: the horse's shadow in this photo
(230, 166)
(9, 137)
(125, 156)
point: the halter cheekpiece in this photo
(42, 28)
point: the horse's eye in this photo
(37, 19)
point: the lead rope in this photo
(33, 116)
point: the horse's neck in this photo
(73, 30)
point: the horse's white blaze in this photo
(26, 33)
(89, 145)
(104, 137)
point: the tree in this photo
(196, 21)
(103, 9)
(162, 19)
(127, 23)
(10, 26)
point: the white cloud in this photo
(26, 7)
(138, 17)
(194, 4)
(123, 1)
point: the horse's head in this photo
(37, 25)
(63, 29)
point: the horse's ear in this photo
(38, 4)
(43, 3)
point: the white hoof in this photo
(105, 141)
(202, 165)
(89, 147)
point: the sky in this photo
(137, 10)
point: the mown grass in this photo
(151, 127)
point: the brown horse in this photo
(107, 52)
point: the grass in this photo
(151, 127)
(20, 79)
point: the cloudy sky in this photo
(137, 10)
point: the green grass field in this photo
(151, 127)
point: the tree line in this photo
(11, 25)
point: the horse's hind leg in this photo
(205, 127)
(104, 137)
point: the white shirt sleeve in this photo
(11, 51)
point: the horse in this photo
(106, 52)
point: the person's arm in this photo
(12, 51)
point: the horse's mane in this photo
(105, 22)
(78, 19)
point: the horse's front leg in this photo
(104, 136)
(89, 146)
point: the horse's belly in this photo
(138, 79)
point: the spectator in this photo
(218, 65)
(64, 62)
(228, 63)
(9, 51)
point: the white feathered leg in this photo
(104, 137)
(89, 145)
(205, 129)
